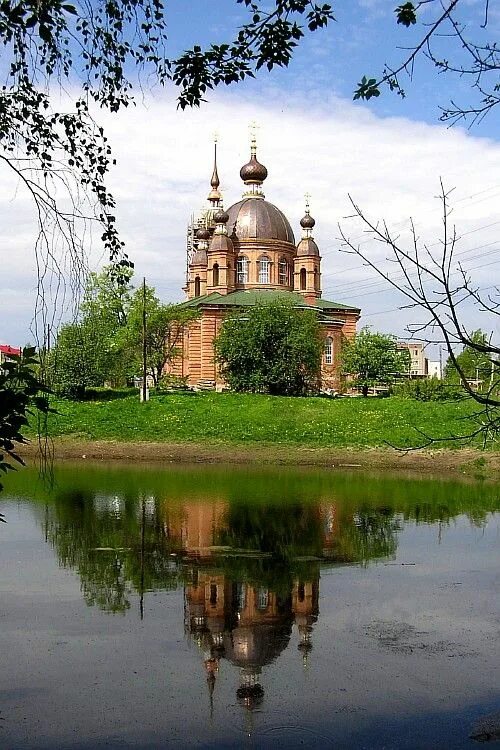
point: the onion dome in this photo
(254, 218)
(203, 234)
(221, 216)
(307, 246)
(253, 171)
(307, 221)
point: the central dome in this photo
(254, 218)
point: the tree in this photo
(374, 359)
(165, 325)
(436, 285)
(89, 351)
(474, 363)
(272, 348)
(21, 393)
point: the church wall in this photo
(198, 362)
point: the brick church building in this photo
(246, 255)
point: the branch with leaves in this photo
(21, 395)
(468, 55)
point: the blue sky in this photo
(364, 37)
(389, 154)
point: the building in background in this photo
(7, 352)
(434, 369)
(419, 367)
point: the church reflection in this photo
(250, 571)
(247, 625)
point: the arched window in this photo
(303, 278)
(242, 270)
(316, 279)
(215, 274)
(197, 287)
(264, 270)
(282, 271)
(328, 350)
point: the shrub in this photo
(80, 393)
(430, 389)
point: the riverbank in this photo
(259, 429)
(471, 462)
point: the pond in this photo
(228, 606)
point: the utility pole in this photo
(144, 347)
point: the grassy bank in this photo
(244, 418)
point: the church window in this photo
(262, 599)
(316, 279)
(328, 350)
(303, 278)
(213, 594)
(241, 596)
(197, 287)
(242, 270)
(215, 275)
(264, 269)
(283, 271)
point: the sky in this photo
(388, 154)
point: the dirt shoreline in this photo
(463, 461)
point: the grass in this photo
(232, 419)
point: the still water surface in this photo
(231, 607)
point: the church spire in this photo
(215, 197)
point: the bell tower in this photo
(307, 264)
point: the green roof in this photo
(251, 297)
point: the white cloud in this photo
(391, 167)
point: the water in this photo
(230, 607)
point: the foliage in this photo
(242, 418)
(105, 345)
(164, 329)
(373, 359)
(428, 389)
(467, 53)
(87, 352)
(20, 394)
(79, 359)
(474, 363)
(272, 348)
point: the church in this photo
(246, 255)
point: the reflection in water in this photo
(250, 571)
(249, 551)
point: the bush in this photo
(430, 389)
(80, 393)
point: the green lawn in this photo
(246, 418)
